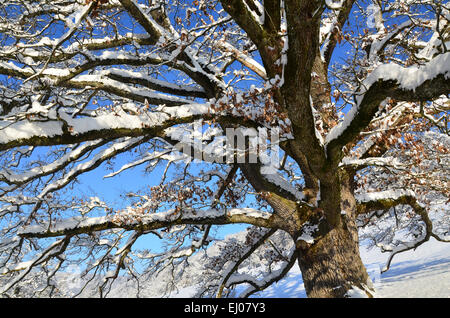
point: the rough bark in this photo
(332, 266)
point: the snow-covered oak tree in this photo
(358, 91)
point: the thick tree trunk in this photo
(332, 266)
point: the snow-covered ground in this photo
(422, 273)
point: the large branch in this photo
(290, 209)
(18, 179)
(239, 11)
(67, 130)
(130, 77)
(389, 199)
(71, 77)
(113, 84)
(332, 37)
(272, 15)
(146, 21)
(390, 80)
(303, 24)
(244, 59)
(35, 52)
(384, 200)
(116, 85)
(81, 225)
(64, 129)
(263, 35)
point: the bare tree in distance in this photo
(356, 91)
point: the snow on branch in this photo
(79, 17)
(273, 176)
(79, 225)
(244, 59)
(383, 38)
(331, 30)
(245, 18)
(390, 80)
(334, 4)
(386, 200)
(108, 153)
(391, 162)
(383, 195)
(18, 179)
(409, 78)
(117, 85)
(144, 19)
(131, 77)
(113, 81)
(154, 156)
(62, 128)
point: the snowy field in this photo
(423, 273)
